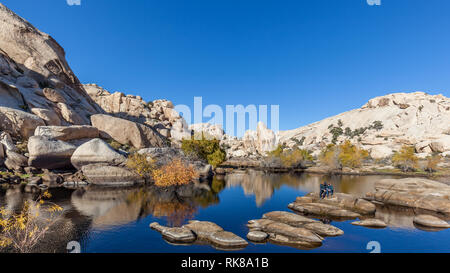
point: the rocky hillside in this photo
(159, 114)
(382, 126)
(36, 78)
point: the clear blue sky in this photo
(315, 58)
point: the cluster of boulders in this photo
(85, 149)
(285, 228)
(201, 232)
(158, 114)
(340, 205)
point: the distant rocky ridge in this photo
(417, 119)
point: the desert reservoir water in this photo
(117, 220)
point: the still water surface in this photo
(117, 220)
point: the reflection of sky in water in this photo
(119, 220)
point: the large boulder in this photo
(105, 175)
(209, 131)
(127, 132)
(36, 60)
(380, 152)
(67, 133)
(263, 139)
(48, 153)
(15, 161)
(49, 116)
(430, 221)
(206, 232)
(96, 151)
(19, 123)
(341, 200)
(417, 193)
(174, 234)
(2, 154)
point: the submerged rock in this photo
(288, 218)
(430, 221)
(282, 240)
(175, 234)
(257, 236)
(226, 239)
(296, 220)
(295, 233)
(204, 231)
(373, 223)
(323, 210)
(342, 200)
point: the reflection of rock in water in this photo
(253, 183)
(401, 217)
(110, 206)
(106, 206)
(263, 185)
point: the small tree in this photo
(405, 159)
(352, 156)
(432, 163)
(344, 155)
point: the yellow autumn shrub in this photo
(22, 231)
(174, 173)
(405, 159)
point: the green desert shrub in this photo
(405, 159)
(114, 144)
(141, 164)
(205, 149)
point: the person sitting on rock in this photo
(323, 190)
(330, 190)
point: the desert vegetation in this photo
(288, 158)
(405, 159)
(204, 149)
(174, 173)
(21, 232)
(343, 155)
